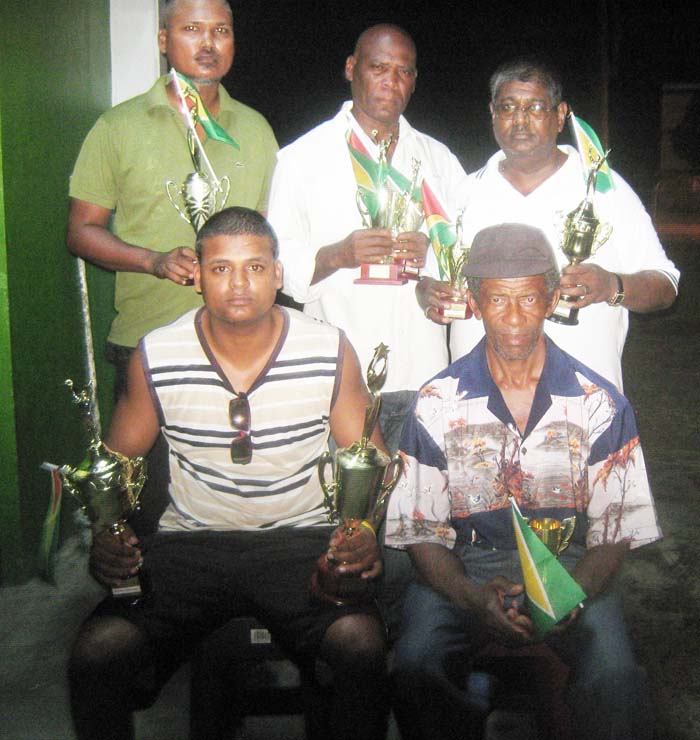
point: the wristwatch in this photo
(619, 296)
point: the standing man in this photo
(245, 393)
(313, 207)
(130, 154)
(516, 417)
(532, 180)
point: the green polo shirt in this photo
(124, 164)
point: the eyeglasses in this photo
(535, 110)
(241, 444)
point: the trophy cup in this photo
(202, 193)
(555, 533)
(583, 236)
(395, 210)
(106, 484)
(452, 260)
(358, 494)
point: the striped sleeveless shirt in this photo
(290, 403)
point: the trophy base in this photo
(129, 589)
(329, 587)
(456, 311)
(564, 314)
(388, 273)
(408, 272)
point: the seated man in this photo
(516, 417)
(246, 394)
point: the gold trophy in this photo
(555, 533)
(452, 260)
(396, 210)
(583, 236)
(106, 484)
(358, 494)
(202, 194)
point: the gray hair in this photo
(172, 6)
(551, 283)
(527, 70)
(237, 221)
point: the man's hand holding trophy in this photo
(357, 497)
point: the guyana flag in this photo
(197, 111)
(551, 592)
(50, 530)
(441, 233)
(591, 150)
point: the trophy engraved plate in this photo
(554, 533)
(583, 235)
(397, 211)
(357, 495)
(452, 260)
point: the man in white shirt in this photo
(313, 208)
(531, 180)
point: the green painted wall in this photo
(54, 82)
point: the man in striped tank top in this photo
(246, 394)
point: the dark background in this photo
(290, 57)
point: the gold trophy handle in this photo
(178, 191)
(364, 211)
(377, 513)
(329, 489)
(568, 525)
(602, 235)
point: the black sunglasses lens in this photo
(241, 445)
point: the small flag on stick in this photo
(591, 152)
(551, 592)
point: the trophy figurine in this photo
(358, 494)
(106, 484)
(395, 210)
(555, 533)
(583, 236)
(202, 193)
(452, 260)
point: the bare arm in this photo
(369, 246)
(595, 569)
(89, 237)
(444, 572)
(133, 432)
(645, 291)
(431, 294)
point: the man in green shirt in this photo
(139, 145)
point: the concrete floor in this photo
(660, 582)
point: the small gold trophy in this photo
(452, 260)
(555, 533)
(106, 484)
(358, 494)
(395, 210)
(202, 194)
(583, 236)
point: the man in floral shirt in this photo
(516, 417)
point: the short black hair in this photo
(526, 69)
(234, 221)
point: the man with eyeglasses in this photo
(246, 394)
(534, 181)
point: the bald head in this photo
(370, 35)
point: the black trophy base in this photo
(330, 587)
(564, 314)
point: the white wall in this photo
(135, 57)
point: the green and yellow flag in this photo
(442, 234)
(591, 151)
(551, 592)
(197, 111)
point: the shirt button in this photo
(523, 450)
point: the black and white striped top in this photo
(290, 402)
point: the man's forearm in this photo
(98, 245)
(648, 290)
(595, 569)
(443, 571)
(327, 262)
